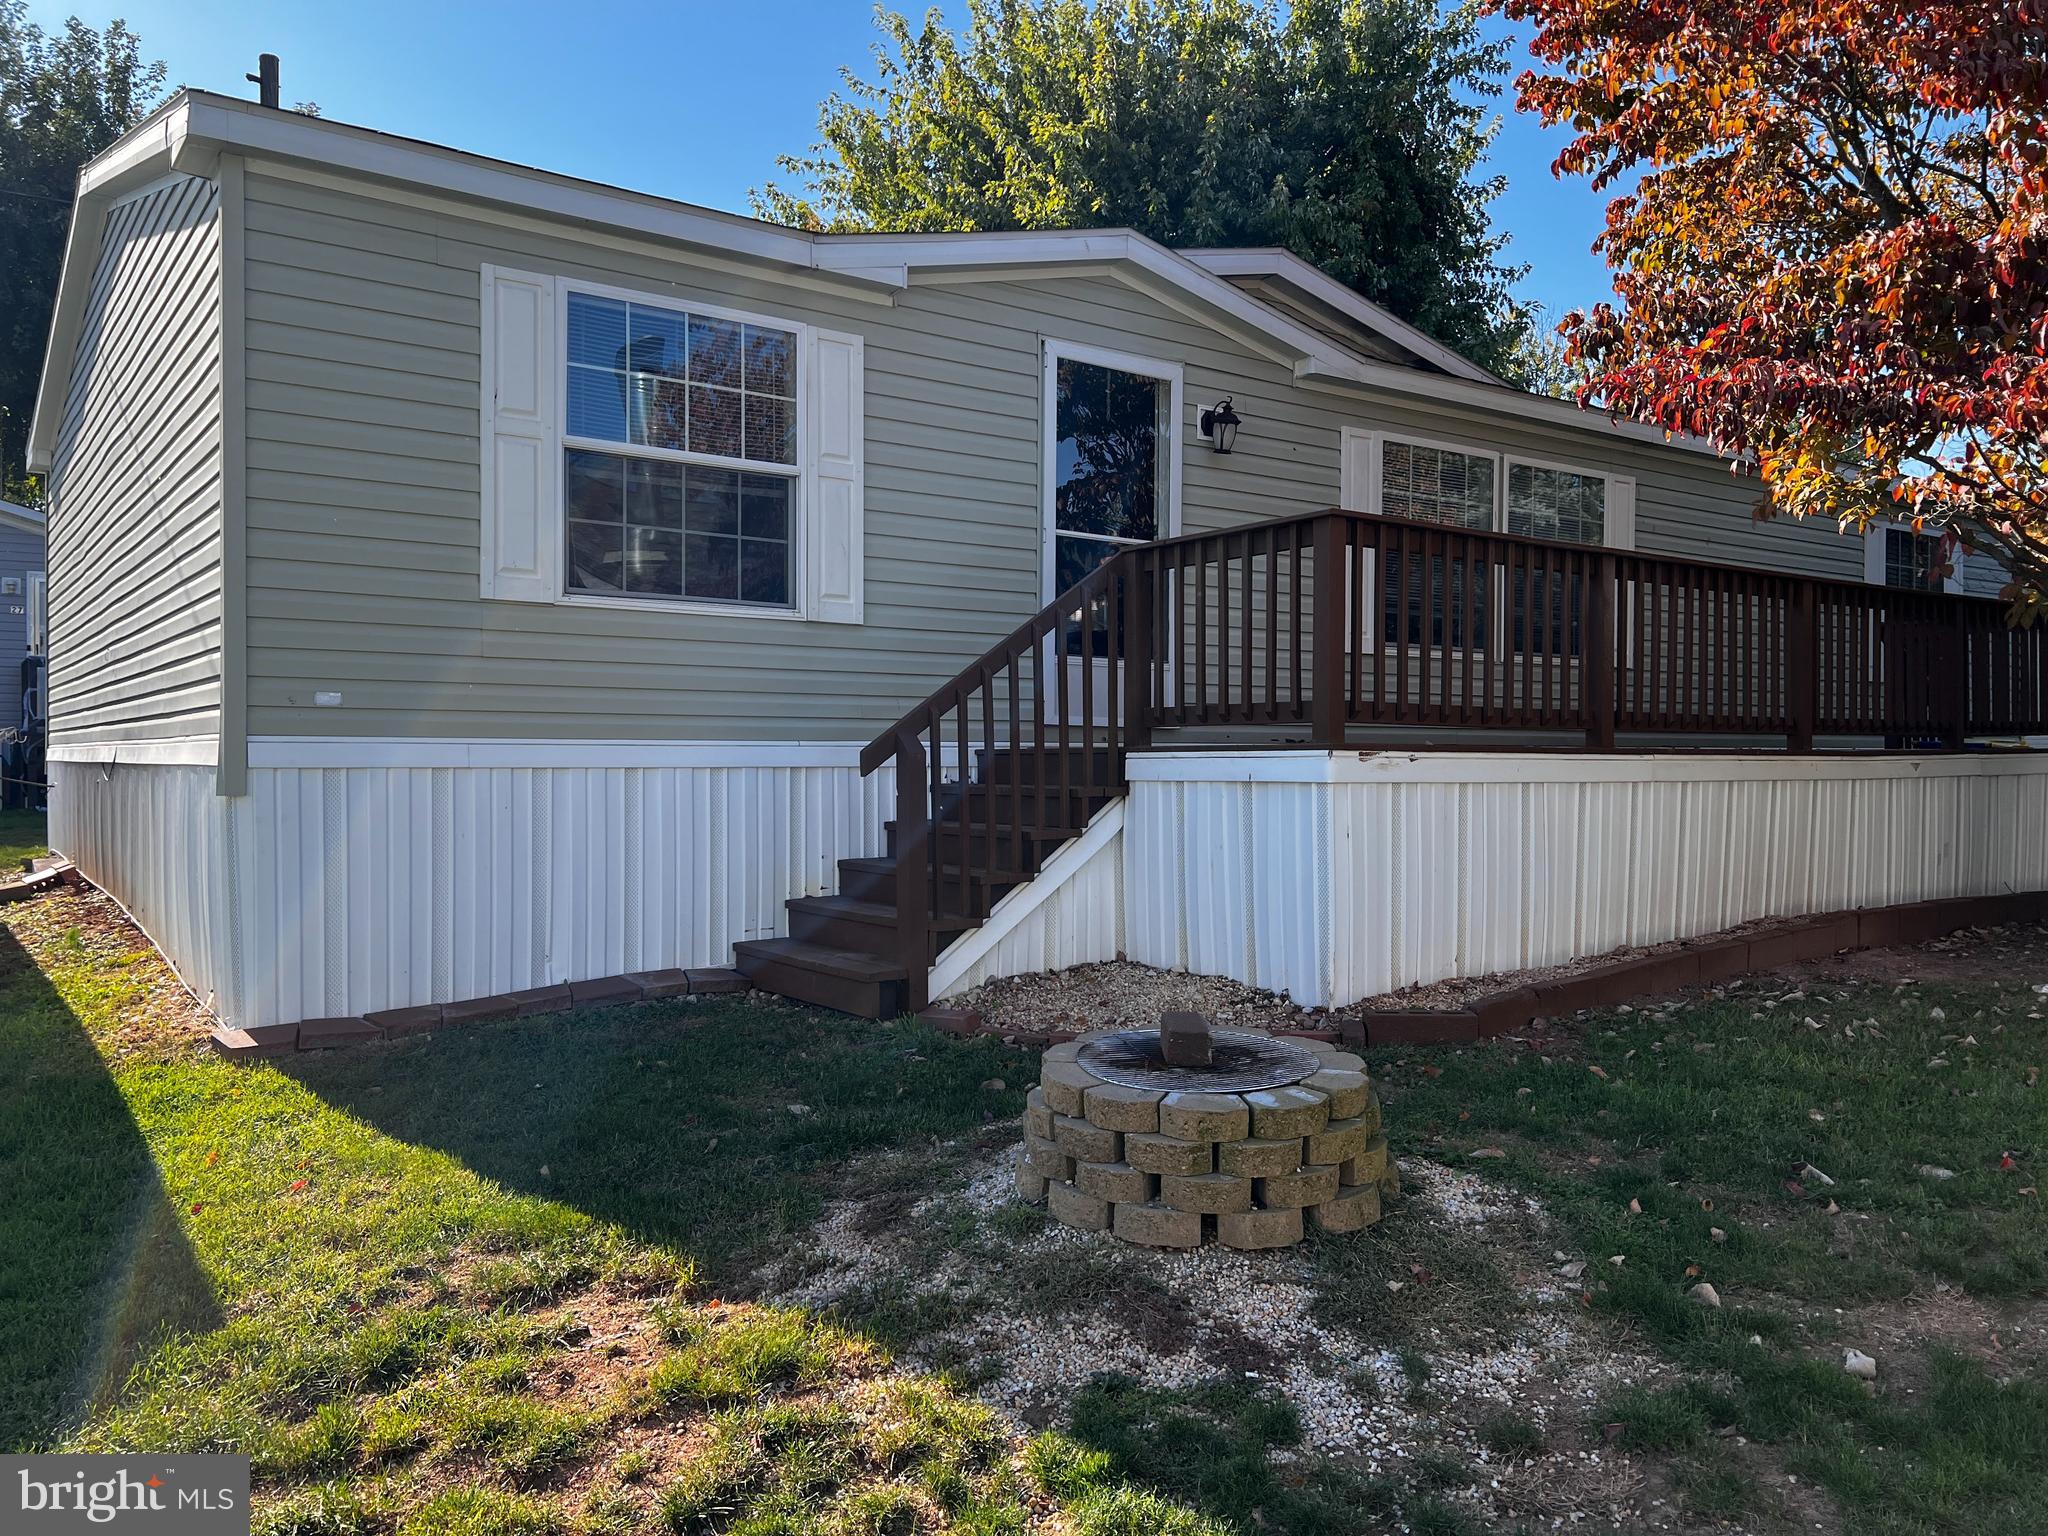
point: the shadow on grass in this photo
(94, 1264)
(711, 1128)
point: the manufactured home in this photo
(466, 579)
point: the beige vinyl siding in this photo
(363, 495)
(135, 491)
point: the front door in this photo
(1112, 478)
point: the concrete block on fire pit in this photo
(1338, 1142)
(1204, 1116)
(1390, 1181)
(1210, 1193)
(1046, 1158)
(1311, 1185)
(1075, 1207)
(1064, 1083)
(317, 1034)
(1031, 1184)
(1038, 1115)
(1371, 1113)
(1185, 1039)
(1066, 1050)
(1347, 1091)
(1356, 1207)
(1259, 1229)
(1117, 1108)
(1256, 1158)
(1291, 1111)
(1368, 1163)
(1158, 1226)
(1086, 1143)
(1169, 1154)
(1118, 1183)
(1343, 1061)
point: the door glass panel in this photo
(1107, 453)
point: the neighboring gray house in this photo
(23, 617)
(467, 578)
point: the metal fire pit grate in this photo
(1241, 1062)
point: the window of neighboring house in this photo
(680, 472)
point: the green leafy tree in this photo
(1352, 132)
(64, 97)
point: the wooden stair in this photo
(845, 951)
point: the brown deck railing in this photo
(1336, 626)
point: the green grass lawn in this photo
(493, 1282)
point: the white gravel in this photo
(1352, 1395)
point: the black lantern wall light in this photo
(1219, 424)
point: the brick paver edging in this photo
(570, 996)
(1707, 959)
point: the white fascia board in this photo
(1066, 248)
(255, 130)
(1319, 285)
(1351, 373)
(157, 146)
(27, 519)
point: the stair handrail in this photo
(920, 717)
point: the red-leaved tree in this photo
(1832, 249)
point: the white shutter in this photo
(837, 480)
(521, 548)
(1357, 480)
(1621, 512)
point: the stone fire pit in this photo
(1170, 1137)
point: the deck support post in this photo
(1137, 617)
(913, 854)
(1802, 667)
(1603, 602)
(1326, 647)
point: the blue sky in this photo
(692, 99)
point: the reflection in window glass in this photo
(657, 377)
(1910, 559)
(1556, 504)
(1110, 485)
(658, 529)
(1436, 485)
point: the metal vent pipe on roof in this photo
(265, 79)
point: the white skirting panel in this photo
(1336, 876)
(433, 872)
(150, 835)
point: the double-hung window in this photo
(650, 451)
(680, 457)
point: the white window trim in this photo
(1617, 532)
(1873, 555)
(802, 473)
(1056, 351)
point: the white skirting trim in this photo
(343, 889)
(171, 750)
(1337, 876)
(1071, 914)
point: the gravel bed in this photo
(1253, 1314)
